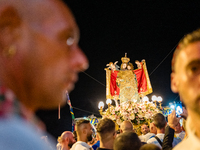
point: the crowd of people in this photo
(40, 59)
(106, 137)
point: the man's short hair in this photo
(105, 126)
(150, 147)
(184, 42)
(126, 126)
(127, 141)
(159, 120)
(80, 123)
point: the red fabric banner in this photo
(113, 84)
(141, 79)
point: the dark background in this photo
(144, 29)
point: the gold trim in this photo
(108, 75)
(149, 87)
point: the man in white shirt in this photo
(185, 80)
(144, 129)
(151, 134)
(160, 123)
(179, 132)
(84, 135)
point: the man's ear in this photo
(9, 23)
(67, 139)
(84, 131)
(121, 131)
(114, 135)
(174, 82)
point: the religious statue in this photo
(127, 84)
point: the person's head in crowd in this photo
(185, 75)
(178, 128)
(144, 129)
(127, 141)
(126, 126)
(150, 147)
(75, 135)
(66, 140)
(106, 132)
(39, 54)
(159, 121)
(84, 130)
(153, 128)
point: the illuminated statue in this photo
(127, 84)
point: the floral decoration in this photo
(137, 113)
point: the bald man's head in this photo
(64, 135)
(126, 126)
(35, 12)
(66, 139)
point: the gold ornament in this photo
(125, 59)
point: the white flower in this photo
(119, 121)
(132, 116)
(147, 115)
(140, 115)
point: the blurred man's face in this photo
(178, 128)
(186, 78)
(52, 58)
(89, 132)
(71, 140)
(144, 129)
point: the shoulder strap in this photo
(152, 136)
(159, 141)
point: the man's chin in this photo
(89, 138)
(54, 105)
(70, 87)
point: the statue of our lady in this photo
(127, 82)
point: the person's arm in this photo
(169, 131)
(168, 138)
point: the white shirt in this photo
(141, 137)
(154, 141)
(146, 137)
(15, 134)
(79, 145)
(192, 142)
(161, 137)
(181, 135)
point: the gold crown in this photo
(125, 59)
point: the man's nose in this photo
(79, 61)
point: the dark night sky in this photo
(144, 29)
